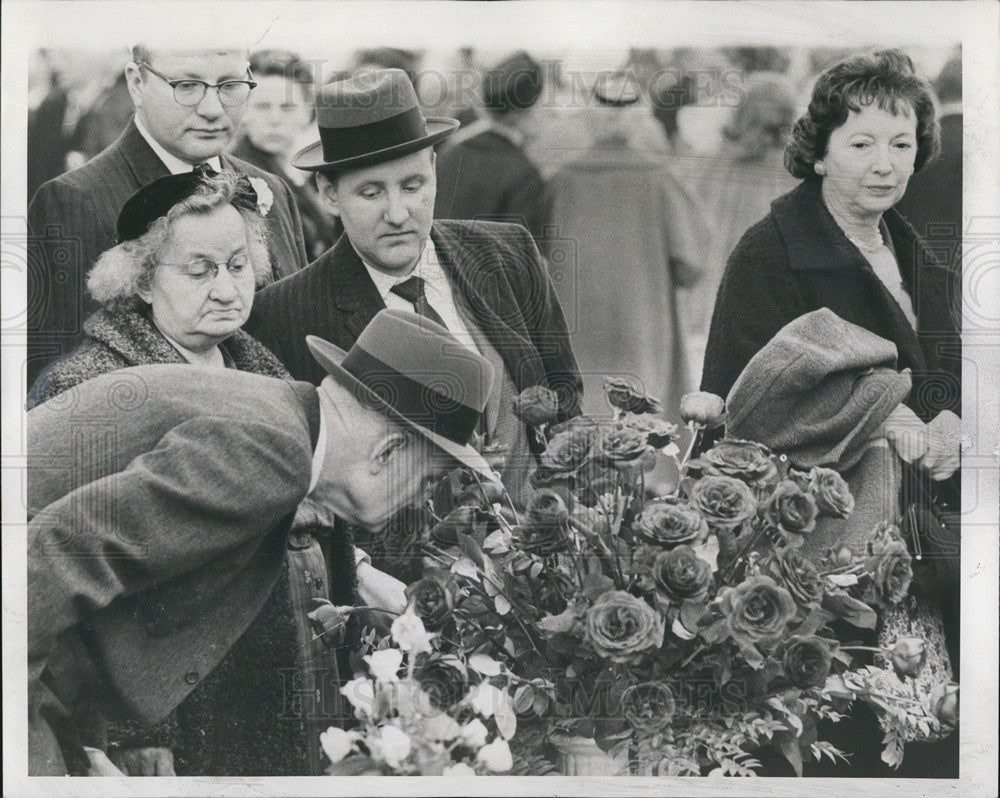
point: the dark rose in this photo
(625, 447)
(547, 507)
(681, 575)
(622, 628)
(537, 405)
(807, 661)
(481, 611)
(461, 519)
(944, 704)
(799, 575)
(790, 509)
(908, 656)
(704, 408)
(831, 493)
(745, 460)
(444, 684)
(757, 610)
(668, 523)
(570, 450)
(626, 395)
(723, 501)
(545, 529)
(649, 706)
(889, 564)
(433, 597)
(658, 431)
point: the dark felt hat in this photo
(367, 119)
(414, 371)
(516, 82)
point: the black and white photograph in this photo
(531, 397)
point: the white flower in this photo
(392, 745)
(459, 770)
(474, 733)
(485, 699)
(409, 634)
(384, 664)
(361, 693)
(337, 743)
(496, 756)
(265, 199)
(441, 727)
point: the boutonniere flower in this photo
(265, 198)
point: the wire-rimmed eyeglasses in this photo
(189, 91)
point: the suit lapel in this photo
(354, 293)
(144, 164)
(479, 275)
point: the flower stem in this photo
(695, 434)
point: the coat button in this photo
(191, 677)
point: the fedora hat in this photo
(414, 371)
(367, 119)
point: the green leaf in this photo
(502, 605)
(565, 621)
(470, 548)
(464, 566)
(485, 664)
(813, 622)
(855, 612)
(524, 698)
(596, 585)
(788, 745)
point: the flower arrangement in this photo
(682, 630)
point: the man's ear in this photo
(328, 192)
(386, 448)
(133, 79)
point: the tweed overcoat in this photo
(71, 221)
(495, 266)
(158, 509)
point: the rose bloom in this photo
(659, 432)
(908, 656)
(537, 405)
(391, 745)
(944, 704)
(625, 447)
(681, 575)
(745, 460)
(702, 407)
(496, 756)
(409, 634)
(622, 628)
(542, 539)
(433, 597)
(337, 743)
(384, 664)
(807, 661)
(891, 572)
(791, 509)
(570, 450)
(649, 706)
(626, 395)
(832, 495)
(444, 684)
(799, 575)
(668, 523)
(723, 501)
(547, 507)
(758, 610)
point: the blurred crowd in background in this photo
(705, 128)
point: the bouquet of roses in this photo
(682, 631)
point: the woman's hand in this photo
(146, 762)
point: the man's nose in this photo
(396, 209)
(210, 105)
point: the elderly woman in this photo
(177, 292)
(836, 242)
(177, 289)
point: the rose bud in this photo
(944, 704)
(537, 405)
(908, 656)
(701, 407)
(626, 395)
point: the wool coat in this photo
(71, 221)
(124, 336)
(487, 177)
(797, 259)
(498, 271)
(628, 236)
(149, 554)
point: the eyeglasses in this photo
(207, 269)
(191, 92)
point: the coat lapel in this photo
(478, 272)
(144, 164)
(354, 293)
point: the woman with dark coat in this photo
(836, 242)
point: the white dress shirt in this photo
(174, 164)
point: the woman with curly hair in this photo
(835, 241)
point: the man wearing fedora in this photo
(188, 106)
(483, 171)
(155, 562)
(484, 281)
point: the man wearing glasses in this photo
(188, 105)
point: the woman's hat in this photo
(414, 371)
(155, 199)
(368, 119)
(515, 83)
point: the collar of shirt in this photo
(437, 289)
(174, 164)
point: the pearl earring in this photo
(819, 169)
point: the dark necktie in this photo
(412, 290)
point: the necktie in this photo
(412, 290)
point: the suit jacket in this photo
(71, 221)
(157, 515)
(489, 178)
(933, 199)
(497, 269)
